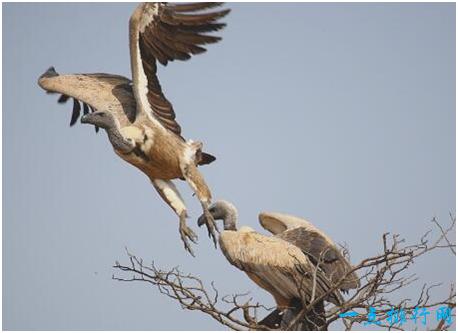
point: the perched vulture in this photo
(279, 265)
(136, 115)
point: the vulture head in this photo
(101, 119)
(222, 210)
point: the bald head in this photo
(108, 122)
(222, 210)
(99, 118)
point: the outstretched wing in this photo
(167, 32)
(314, 243)
(107, 92)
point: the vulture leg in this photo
(314, 320)
(272, 320)
(169, 193)
(197, 183)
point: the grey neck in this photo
(230, 220)
(118, 141)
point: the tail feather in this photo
(314, 320)
(205, 158)
(272, 320)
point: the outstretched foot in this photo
(186, 234)
(211, 226)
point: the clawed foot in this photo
(187, 233)
(211, 226)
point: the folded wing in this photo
(315, 244)
(278, 266)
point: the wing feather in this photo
(192, 7)
(106, 92)
(76, 112)
(210, 27)
(85, 108)
(167, 32)
(314, 243)
(63, 99)
(192, 19)
(330, 259)
(279, 264)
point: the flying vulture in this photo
(137, 117)
(287, 265)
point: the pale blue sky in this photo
(340, 113)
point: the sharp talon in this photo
(216, 227)
(193, 239)
(211, 227)
(187, 247)
(189, 250)
(186, 234)
(215, 242)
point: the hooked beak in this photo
(201, 220)
(85, 119)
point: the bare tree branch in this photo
(382, 278)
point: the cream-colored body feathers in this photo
(275, 265)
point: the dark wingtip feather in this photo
(51, 72)
(191, 7)
(224, 12)
(63, 98)
(209, 27)
(76, 112)
(85, 108)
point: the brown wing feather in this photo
(168, 32)
(315, 246)
(192, 7)
(98, 91)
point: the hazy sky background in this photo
(340, 113)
